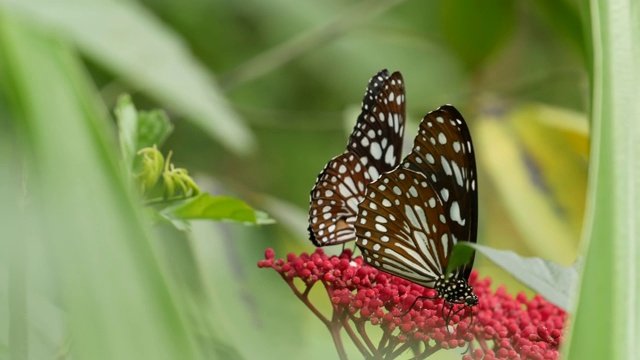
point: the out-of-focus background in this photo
(264, 93)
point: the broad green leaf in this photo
(145, 53)
(612, 263)
(205, 206)
(555, 282)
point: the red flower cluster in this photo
(413, 319)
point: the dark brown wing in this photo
(374, 147)
(401, 228)
(444, 153)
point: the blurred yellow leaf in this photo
(557, 141)
(530, 207)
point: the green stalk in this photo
(18, 309)
(605, 323)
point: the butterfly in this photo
(374, 147)
(411, 217)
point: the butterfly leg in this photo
(414, 302)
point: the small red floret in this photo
(517, 327)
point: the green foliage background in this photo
(262, 95)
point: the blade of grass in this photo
(107, 273)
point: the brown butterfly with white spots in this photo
(412, 217)
(374, 147)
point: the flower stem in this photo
(356, 340)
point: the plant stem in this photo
(360, 326)
(303, 297)
(18, 329)
(337, 340)
(355, 340)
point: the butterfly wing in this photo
(377, 136)
(401, 229)
(443, 152)
(334, 200)
(374, 147)
(412, 216)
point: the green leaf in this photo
(138, 130)
(148, 55)
(476, 29)
(127, 118)
(555, 282)
(461, 255)
(95, 251)
(153, 128)
(205, 206)
(565, 17)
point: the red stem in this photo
(356, 341)
(360, 326)
(305, 299)
(337, 340)
(384, 339)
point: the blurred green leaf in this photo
(555, 282)
(127, 118)
(564, 15)
(139, 130)
(205, 206)
(476, 29)
(153, 128)
(145, 53)
(81, 217)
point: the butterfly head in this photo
(456, 291)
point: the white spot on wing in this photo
(445, 165)
(457, 173)
(445, 194)
(454, 213)
(389, 157)
(376, 150)
(442, 138)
